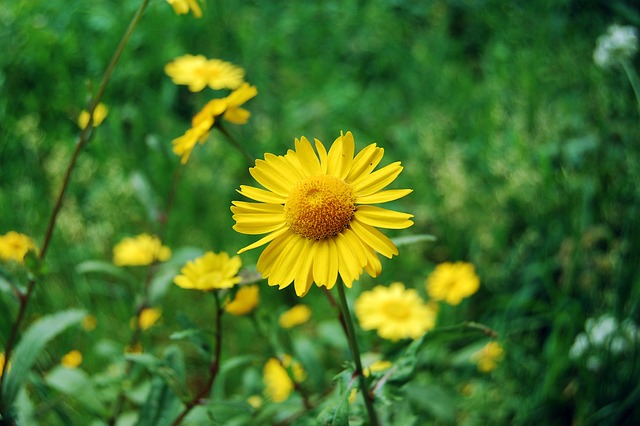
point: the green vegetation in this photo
(523, 157)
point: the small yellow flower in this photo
(72, 360)
(255, 401)
(148, 317)
(198, 72)
(246, 300)
(14, 246)
(452, 282)
(2, 361)
(99, 114)
(279, 385)
(210, 271)
(233, 113)
(141, 250)
(352, 395)
(380, 365)
(299, 375)
(89, 323)
(395, 312)
(182, 7)
(488, 356)
(297, 315)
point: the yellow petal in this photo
(304, 274)
(307, 157)
(383, 196)
(377, 180)
(365, 162)
(253, 223)
(383, 218)
(374, 238)
(269, 180)
(261, 195)
(265, 240)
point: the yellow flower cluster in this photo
(72, 359)
(141, 250)
(198, 72)
(14, 246)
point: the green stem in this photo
(82, 141)
(633, 79)
(355, 352)
(234, 142)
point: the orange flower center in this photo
(319, 207)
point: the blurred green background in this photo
(524, 158)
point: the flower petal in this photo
(307, 157)
(377, 180)
(261, 195)
(365, 162)
(383, 196)
(374, 238)
(265, 240)
(382, 218)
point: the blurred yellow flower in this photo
(2, 366)
(201, 124)
(352, 395)
(255, 401)
(299, 375)
(99, 114)
(72, 360)
(148, 317)
(297, 315)
(136, 348)
(246, 300)
(182, 7)
(316, 211)
(14, 246)
(395, 312)
(452, 282)
(198, 72)
(210, 271)
(488, 356)
(89, 323)
(141, 250)
(277, 381)
(377, 366)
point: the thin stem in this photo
(633, 79)
(234, 142)
(355, 352)
(213, 367)
(84, 137)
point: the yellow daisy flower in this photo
(297, 315)
(210, 271)
(452, 282)
(488, 356)
(148, 317)
(99, 114)
(182, 7)
(15, 246)
(395, 312)
(141, 250)
(198, 72)
(316, 211)
(278, 384)
(72, 360)
(246, 300)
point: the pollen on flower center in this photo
(320, 207)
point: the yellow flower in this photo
(452, 282)
(317, 214)
(277, 381)
(395, 312)
(148, 317)
(299, 375)
(297, 315)
(15, 246)
(488, 356)
(255, 401)
(136, 348)
(99, 114)
(89, 323)
(199, 72)
(72, 360)
(246, 300)
(210, 271)
(352, 395)
(143, 249)
(201, 124)
(182, 7)
(2, 366)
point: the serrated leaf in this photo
(405, 365)
(106, 268)
(32, 342)
(76, 384)
(412, 239)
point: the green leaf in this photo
(76, 384)
(28, 348)
(145, 194)
(412, 239)
(106, 268)
(337, 413)
(405, 366)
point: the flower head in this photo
(99, 114)
(182, 7)
(488, 356)
(141, 250)
(209, 272)
(617, 44)
(15, 246)
(297, 315)
(72, 360)
(198, 72)
(452, 282)
(395, 312)
(245, 301)
(228, 108)
(316, 211)
(148, 317)
(277, 381)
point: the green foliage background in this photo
(523, 157)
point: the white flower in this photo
(579, 347)
(618, 43)
(601, 329)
